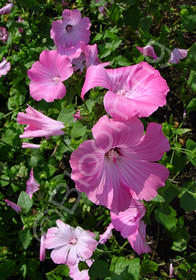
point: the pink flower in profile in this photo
(87, 58)
(148, 51)
(176, 55)
(20, 20)
(6, 9)
(13, 205)
(69, 244)
(120, 163)
(38, 125)
(47, 76)
(42, 251)
(76, 274)
(77, 116)
(4, 67)
(32, 185)
(71, 30)
(136, 90)
(131, 227)
(29, 145)
(107, 234)
(3, 34)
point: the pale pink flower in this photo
(171, 270)
(32, 185)
(29, 145)
(148, 50)
(107, 234)
(69, 244)
(47, 76)
(38, 125)
(131, 227)
(176, 55)
(136, 90)
(120, 163)
(13, 205)
(87, 58)
(77, 116)
(42, 251)
(76, 274)
(6, 9)
(4, 67)
(71, 30)
(3, 34)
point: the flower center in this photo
(122, 92)
(73, 240)
(113, 155)
(57, 79)
(69, 28)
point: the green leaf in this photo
(99, 269)
(7, 268)
(180, 238)
(169, 192)
(189, 22)
(192, 105)
(25, 202)
(59, 273)
(148, 266)
(25, 237)
(166, 215)
(188, 202)
(132, 17)
(125, 268)
(4, 181)
(191, 153)
(66, 115)
(192, 80)
(78, 130)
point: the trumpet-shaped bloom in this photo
(13, 205)
(87, 58)
(38, 125)
(69, 244)
(119, 163)
(32, 184)
(148, 50)
(42, 250)
(47, 76)
(4, 67)
(71, 30)
(107, 234)
(136, 90)
(3, 34)
(29, 145)
(176, 55)
(131, 227)
(6, 9)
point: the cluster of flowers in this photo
(118, 169)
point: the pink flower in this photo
(131, 227)
(42, 252)
(6, 9)
(71, 30)
(101, 8)
(176, 55)
(119, 163)
(148, 50)
(47, 76)
(38, 125)
(29, 145)
(136, 90)
(4, 67)
(76, 274)
(87, 58)
(77, 116)
(32, 184)
(3, 34)
(20, 20)
(107, 234)
(69, 244)
(13, 205)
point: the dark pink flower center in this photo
(73, 240)
(57, 79)
(113, 155)
(69, 28)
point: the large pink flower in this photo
(3, 34)
(32, 184)
(69, 244)
(131, 227)
(6, 9)
(119, 163)
(4, 67)
(38, 125)
(136, 90)
(47, 76)
(71, 30)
